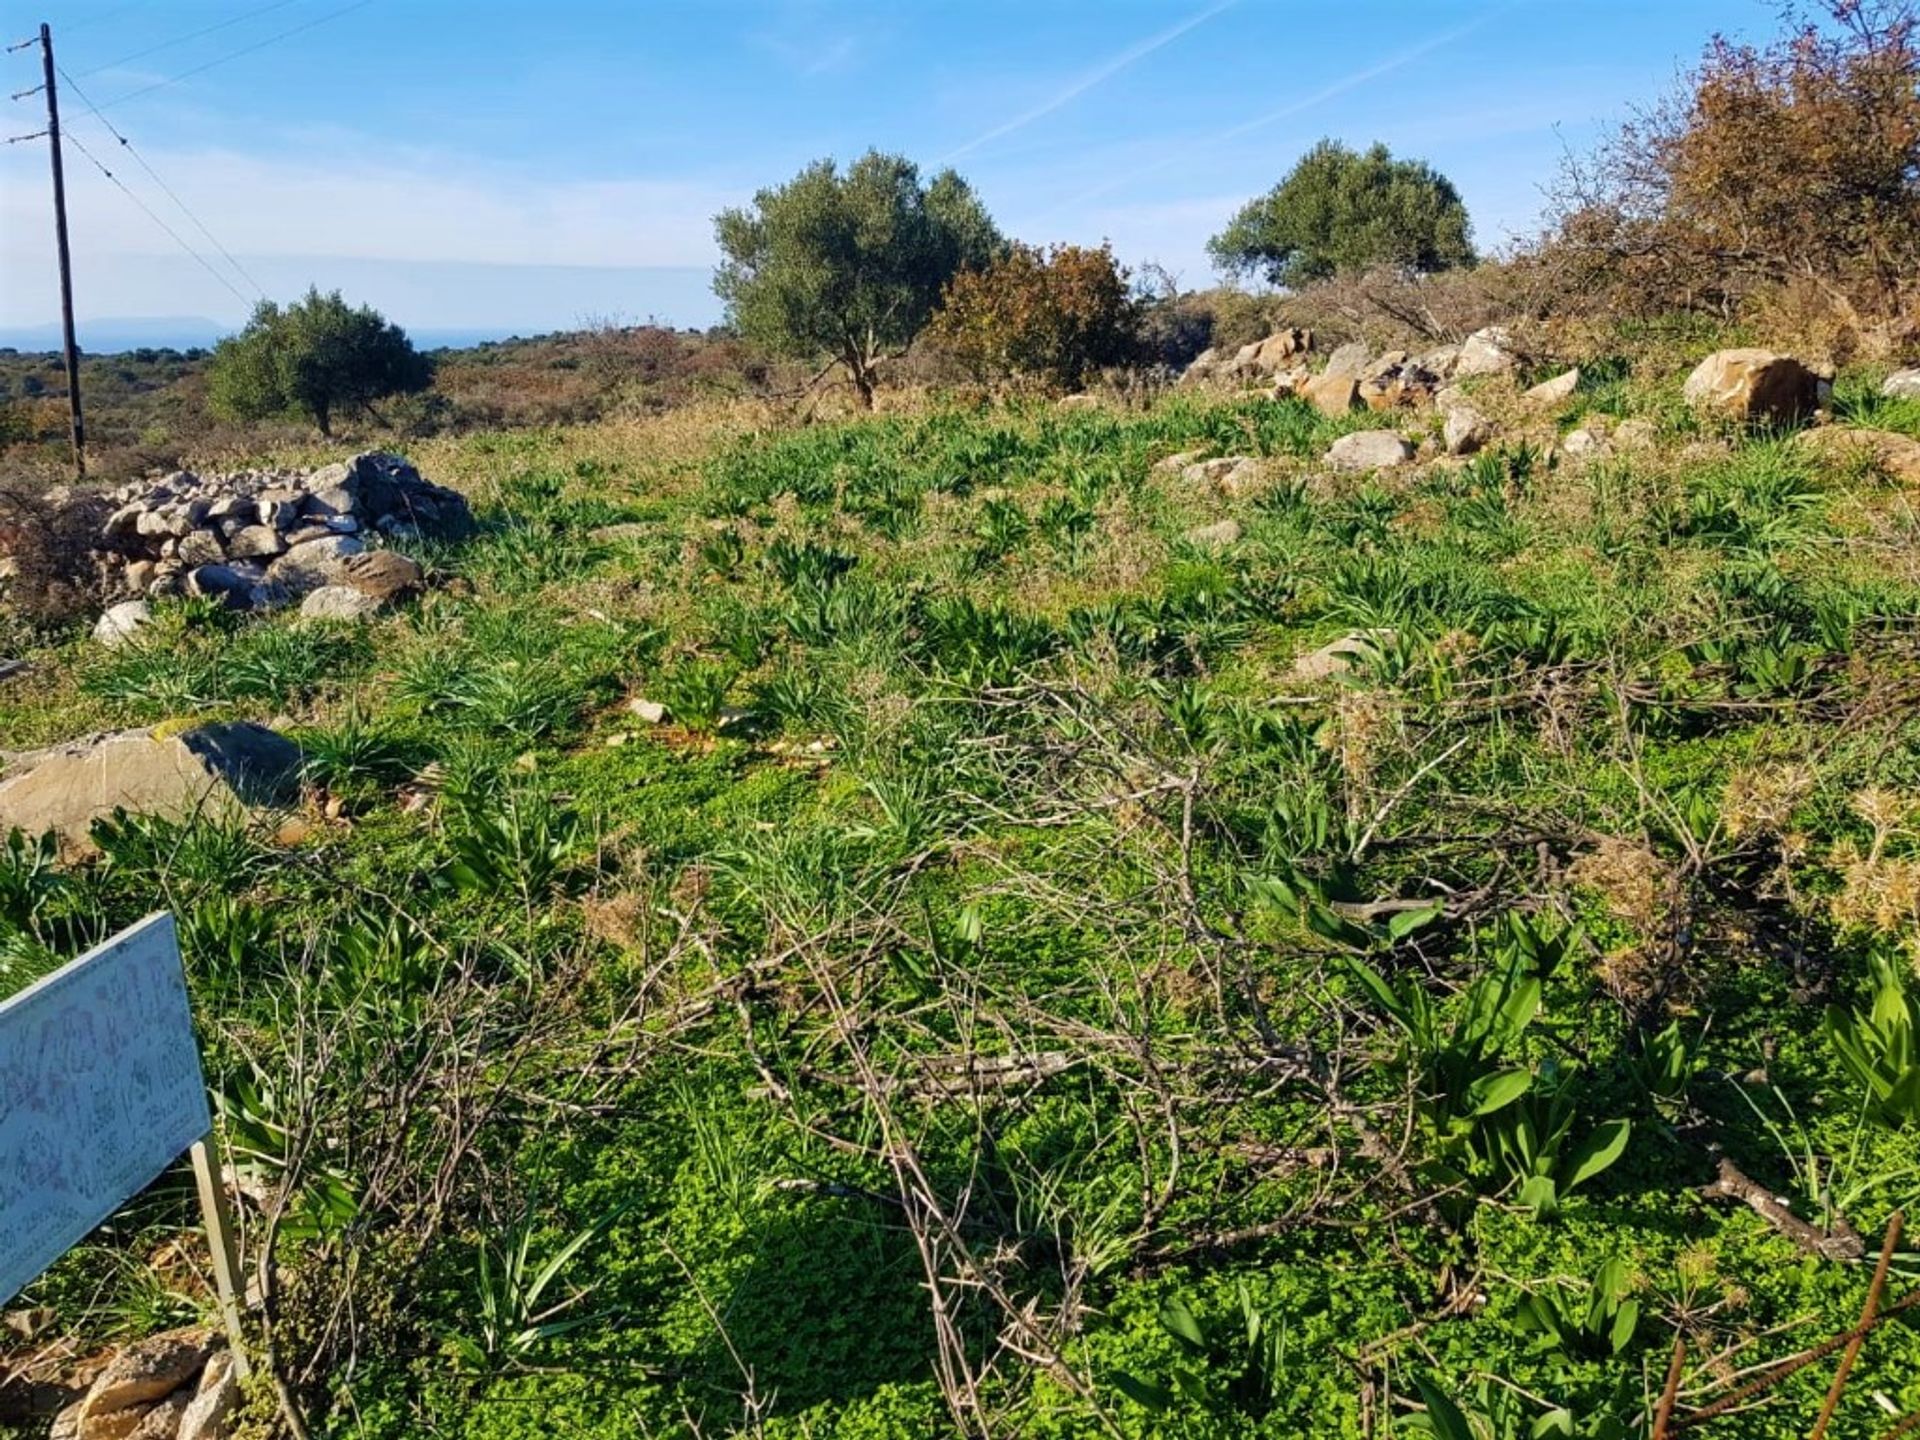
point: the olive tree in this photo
(1343, 210)
(849, 264)
(315, 357)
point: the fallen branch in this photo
(1841, 1242)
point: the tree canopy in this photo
(1342, 210)
(849, 264)
(315, 357)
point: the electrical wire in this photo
(182, 39)
(166, 189)
(236, 54)
(205, 264)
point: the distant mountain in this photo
(111, 334)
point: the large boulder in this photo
(1754, 386)
(1335, 393)
(1369, 450)
(318, 562)
(221, 770)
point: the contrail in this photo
(1318, 97)
(1087, 82)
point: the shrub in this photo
(849, 265)
(1050, 316)
(1792, 166)
(1341, 210)
(316, 357)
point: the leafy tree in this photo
(849, 265)
(316, 356)
(1050, 315)
(1343, 210)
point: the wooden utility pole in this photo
(66, 258)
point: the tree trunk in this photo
(862, 382)
(322, 417)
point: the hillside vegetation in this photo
(1003, 992)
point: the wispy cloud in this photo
(1130, 56)
(1317, 98)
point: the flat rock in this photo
(217, 769)
(146, 1371)
(1369, 450)
(316, 563)
(386, 575)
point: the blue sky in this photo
(484, 166)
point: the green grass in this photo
(967, 753)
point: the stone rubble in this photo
(255, 539)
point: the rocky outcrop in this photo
(1369, 450)
(1754, 387)
(1252, 363)
(222, 770)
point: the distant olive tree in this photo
(849, 265)
(1342, 210)
(315, 357)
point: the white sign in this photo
(100, 1091)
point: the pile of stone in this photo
(1282, 353)
(176, 1386)
(257, 539)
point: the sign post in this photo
(100, 1091)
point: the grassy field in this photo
(1004, 995)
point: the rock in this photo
(384, 574)
(217, 769)
(153, 523)
(1396, 382)
(1490, 351)
(1902, 384)
(1897, 456)
(199, 547)
(339, 602)
(224, 583)
(1216, 536)
(1079, 400)
(316, 563)
(1441, 362)
(144, 1372)
(1332, 393)
(161, 1422)
(1350, 359)
(1753, 386)
(255, 541)
(1635, 434)
(1338, 656)
(1369, 450)
(328, 501)
(1556, 390)
(1584, 444)
(205, 1417)
(1202, 367)
(1208, 472)
(122, 622)
(651, 711)
(1466, 430)
(1169, 465)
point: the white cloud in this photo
(349, 198)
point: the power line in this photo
(182, 39)
(235, 54)
(205, 264)
(167, 189)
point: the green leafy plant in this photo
(515, 1306)
(695, 693)
(1239, 1364)
(1880, 1046)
